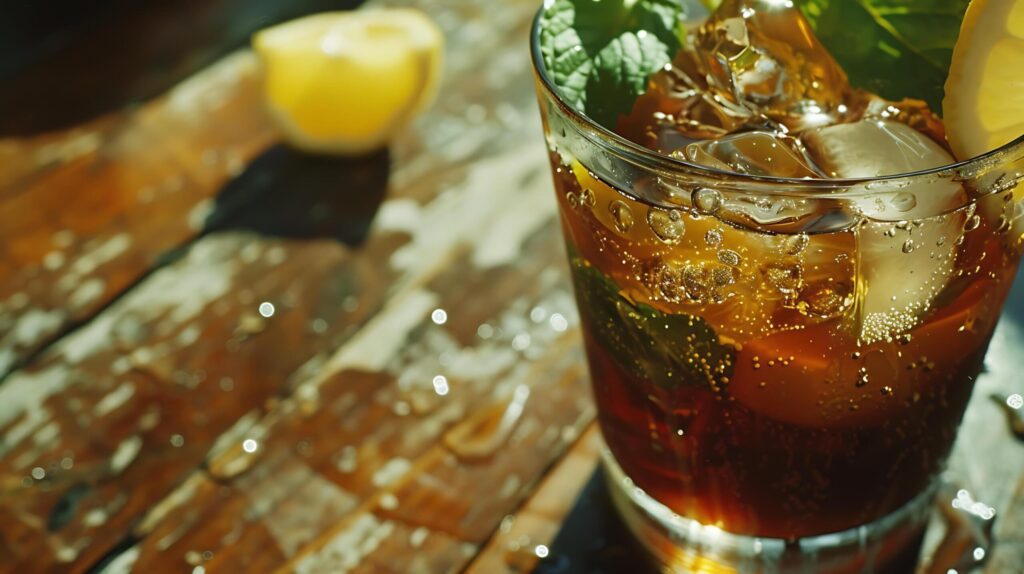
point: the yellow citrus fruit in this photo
(345, 82)
(984, 104)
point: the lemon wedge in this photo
(984, 104)
(346, 82)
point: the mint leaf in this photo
(620, 73)
(667, 350)
(604, 50)
(895, 48)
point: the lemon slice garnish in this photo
(984, 104)
(346, 82)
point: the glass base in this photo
(681, 545)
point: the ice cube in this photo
(914, 113)
(763, 53)
(680, 107)
(873, 148)
(754, 153)
(907, 247)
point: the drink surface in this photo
(773, 365)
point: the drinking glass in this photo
(779, 365)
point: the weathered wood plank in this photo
(514, 548)
(153, 381)
(369, 433)
(84, 214)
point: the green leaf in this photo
(621, 70)
(606, 49)
(895, 48)
(669, 350)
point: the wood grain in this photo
(513, 549)
(104, 430)
(84, 214)
(363, 438)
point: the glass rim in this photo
(650, 159)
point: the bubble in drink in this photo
(666, 224)
(707, 200)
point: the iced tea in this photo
(782, 345)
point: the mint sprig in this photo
(600, 53)
(895, 48)
(669, 350)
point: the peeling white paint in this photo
(234, 435)
(348, 547)
(124, 563)
(199, 213)
(274, 498)
(381, 339)
(391, 471)
(66, 149)
(46, 434)
(53, 260)
(24, 395)
(42, 440)
(7, 358)
(95, 517)
(125, 454)
(418, 537)
(181, 292)
(502, 241)
(114, 399)
(464, 213)
(400, 214)
(103, 253)
(87, 293)
(29, 329)
(175, 499)
(189, 335)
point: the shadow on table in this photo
(286, 193)
(593, 539)
(64, 62)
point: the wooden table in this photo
(224, 356)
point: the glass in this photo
(778, 377)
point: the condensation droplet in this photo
(707, 200)
(908, 246)
(904, 201)
(972, 223)
(667, 281)
(713, 237)
(703, 282)
(667, 225)
(729, 257)
(573, 199)
(622, 216)
(587, 199)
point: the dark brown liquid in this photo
(805, 428)
(782, 381)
